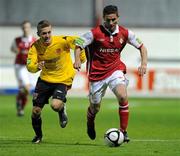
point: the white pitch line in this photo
(14, 138)
(155, 140)
(133, 140)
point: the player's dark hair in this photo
(110, 9)
(43, 24)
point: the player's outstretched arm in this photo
(143, 67)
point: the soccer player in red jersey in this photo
(104, 45)
(20, 47)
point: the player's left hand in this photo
(142, 70)
(77, 64)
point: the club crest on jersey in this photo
(58, 51)
(121, 40)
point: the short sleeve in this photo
(85, 39)
(133, 40)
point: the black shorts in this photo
(44, 90)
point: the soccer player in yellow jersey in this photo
(51, 55)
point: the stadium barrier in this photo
(158, 82)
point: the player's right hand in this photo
(40, 65)
(77, 64)
(142, 70)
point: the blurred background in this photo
(155, 22)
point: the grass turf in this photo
(153, 128)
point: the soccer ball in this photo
(113, 137)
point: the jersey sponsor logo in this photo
(52, 64)
(54, 60)
(109, 50)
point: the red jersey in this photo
(104, 53)
(23, 44)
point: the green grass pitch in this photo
(154, 129)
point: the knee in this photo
(123, 98)
(36, 112)
(57, 105)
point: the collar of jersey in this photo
(114, 32)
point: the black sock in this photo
(61, 111)
(36, 124)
